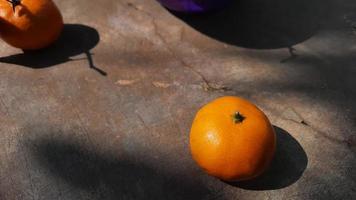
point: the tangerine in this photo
(30, 24)
(232, 139)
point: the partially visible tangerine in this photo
(30, 24)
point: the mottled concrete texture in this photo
(105, 113)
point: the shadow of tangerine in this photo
(287, 167)
(261, 24)
(75, 39)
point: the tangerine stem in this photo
(14, 3)
(238, 117)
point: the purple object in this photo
(194, 6)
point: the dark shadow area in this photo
(74, 40)
(261, 24)
(121, 178)
(287, 167)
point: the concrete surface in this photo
(105, 113)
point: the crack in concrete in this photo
(207, 85)
(300, 120)
(142, 121)
(349, 142)
(293, 115)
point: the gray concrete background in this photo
(67, 131)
